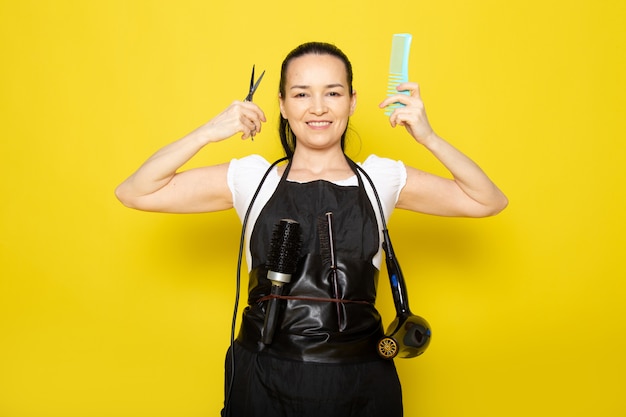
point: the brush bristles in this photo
(285, 247)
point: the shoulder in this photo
(245, 172)
(389, 177)
(376, 163)
(385, 172)
(248, 163)
(244, 176)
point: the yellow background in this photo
(109, 312)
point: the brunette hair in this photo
(287, 137)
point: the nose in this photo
(318, 105)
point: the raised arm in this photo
(158, 186)
(470, 192)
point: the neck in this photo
(307, 166)
(319, 161)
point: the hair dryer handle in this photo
(396, 279)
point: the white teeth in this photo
(318, 124)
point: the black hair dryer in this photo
(408, 335)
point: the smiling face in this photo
(317, 101)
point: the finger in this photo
(256, 117)
(249, 133)
(251, 127)
(410, 87)
(397, 98)
(256, 110)
(403, 116)
(256, 128)
(253, 124)
(258, 125)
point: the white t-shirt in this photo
(244, 175)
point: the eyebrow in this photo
(304, 87)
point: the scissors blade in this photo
(254, 87)
(251, 81)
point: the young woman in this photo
(322, 359)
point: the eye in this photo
(334, 94)
(299, 95)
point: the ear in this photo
(352, 103)
(281, 104)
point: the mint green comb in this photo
(398, 67)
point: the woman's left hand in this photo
(412, 115)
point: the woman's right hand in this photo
(242, 117)
(158, 186)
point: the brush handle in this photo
(282, 261)
(271, 315)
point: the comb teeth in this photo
(398, 67)
(326, 237)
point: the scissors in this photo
(253, 85)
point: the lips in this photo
(320, 123)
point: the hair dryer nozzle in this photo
(408, 336)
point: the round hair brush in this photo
(282, 261)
